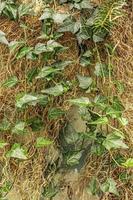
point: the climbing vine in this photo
(47, 89)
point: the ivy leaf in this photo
(35, 123)
(84, 4)
(85, 58)
(11, 10)
(120, 86)
(11, 82)
(15, 44)
(51, 46)
(43, 142)
(128, 163)
(55, 91)
(2, 6)
(50, 191)
(113, 112)
(29, 99)
(109, 187)
(84, 81)
(3, 39)
(59, 17)
(83, 102)
(17, 152)
(114, 141)
(123, 121)
(32, 73)
(73, 158)
(46, 71)
(93, 186)
(19, 128)
(55, 46)
(101, 70)
(23, 52)
(69, 25)
(40, 48)
(5, 125)
(24, 9)
(55, 113)
(61, 64)
(48, 14)
(97, 38)
(26, 99)
(42, 99)
(101, 120)
(3, 144)
(55, 16)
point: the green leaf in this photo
(109, 187)
(23, 52)
(73, 158)
(98, 38)
(123, 121)
(84, 62)
(24, 9)
(29, 99)
(55, 16)
(114, 141)
(5, 125)
(120, 86)
(32, 73)
(128, 163)
(19, 128)
(85, 58)
(11, 10)
(69, 25)
(84, 4)
(2, 6)
(26, 99)
(59, 17)
(100, 121)
(84, 81)
(48, 14)
(40, 48)
(55, 46)
(36, 123)
(32, 56)
(113, 112)
(11, 82)
(101, 70)
(3, 144)
(84, 113)
(124, 177)
(82, 102)
(42, 99)
(61, 64)
(50, 191)
(17, 152)
(43, 142)
(46, 71)
(54, 113)
(3, 39)
(98, 149)
(55, 91)
(53, 68)
(15, 44)
(93, 186)
(71, 137)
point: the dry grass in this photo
(123, 37)
(27, 177)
